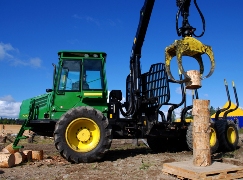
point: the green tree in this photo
(173, 116)
(212, 110)
(189, 115)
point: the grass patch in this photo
(94, 166)
(144, 166)
(36, 140)
(229, 154)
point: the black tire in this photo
(157, 144)
(214, 142)
(227, 134)
(83, 134)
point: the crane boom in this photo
(135, 69)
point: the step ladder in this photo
(25, 126)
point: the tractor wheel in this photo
(214, 143)
(227, 134)
(157, 144)
(82, 134)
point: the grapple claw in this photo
(188, 46)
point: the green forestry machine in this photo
(83, 117)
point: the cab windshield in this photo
(74, 76)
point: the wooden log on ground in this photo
(9, 149)
(19, 157)
(7, 160)
(195, 82)
(37, 155)
(28, 155)
(201, 133)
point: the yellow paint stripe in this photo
(92, 94)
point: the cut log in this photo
(19, 157)
(7, 160)
(195, 81)
(28, 155)
(9, 149)
(37, 155)
(201, 133)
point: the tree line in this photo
(212, 111)
(8, 121)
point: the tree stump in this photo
(195, 82)
(9, 149)
(7, 160)
(28, 155)
(201, 133)
(37, 155)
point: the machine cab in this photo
(81, 71)
(80, 79)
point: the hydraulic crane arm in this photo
(145, 14)
(135, 69)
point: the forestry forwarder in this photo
(75, 111)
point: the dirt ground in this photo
(123, 161)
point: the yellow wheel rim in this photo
(82, 135)
(213, 137)
(231, 135)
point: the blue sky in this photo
(32, 32)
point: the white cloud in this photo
(8, 98)
(32, 62)
(8, 107)
(35, 62)
(88, 19)
(178, 112)
(5, 49)
(7, 52)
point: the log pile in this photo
(7, 160)
(10, 157)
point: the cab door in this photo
(68, 91)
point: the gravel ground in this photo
(123, 161)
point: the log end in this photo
(195, 81)
(7, 160)
(37, 155)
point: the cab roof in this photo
(63, 54)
